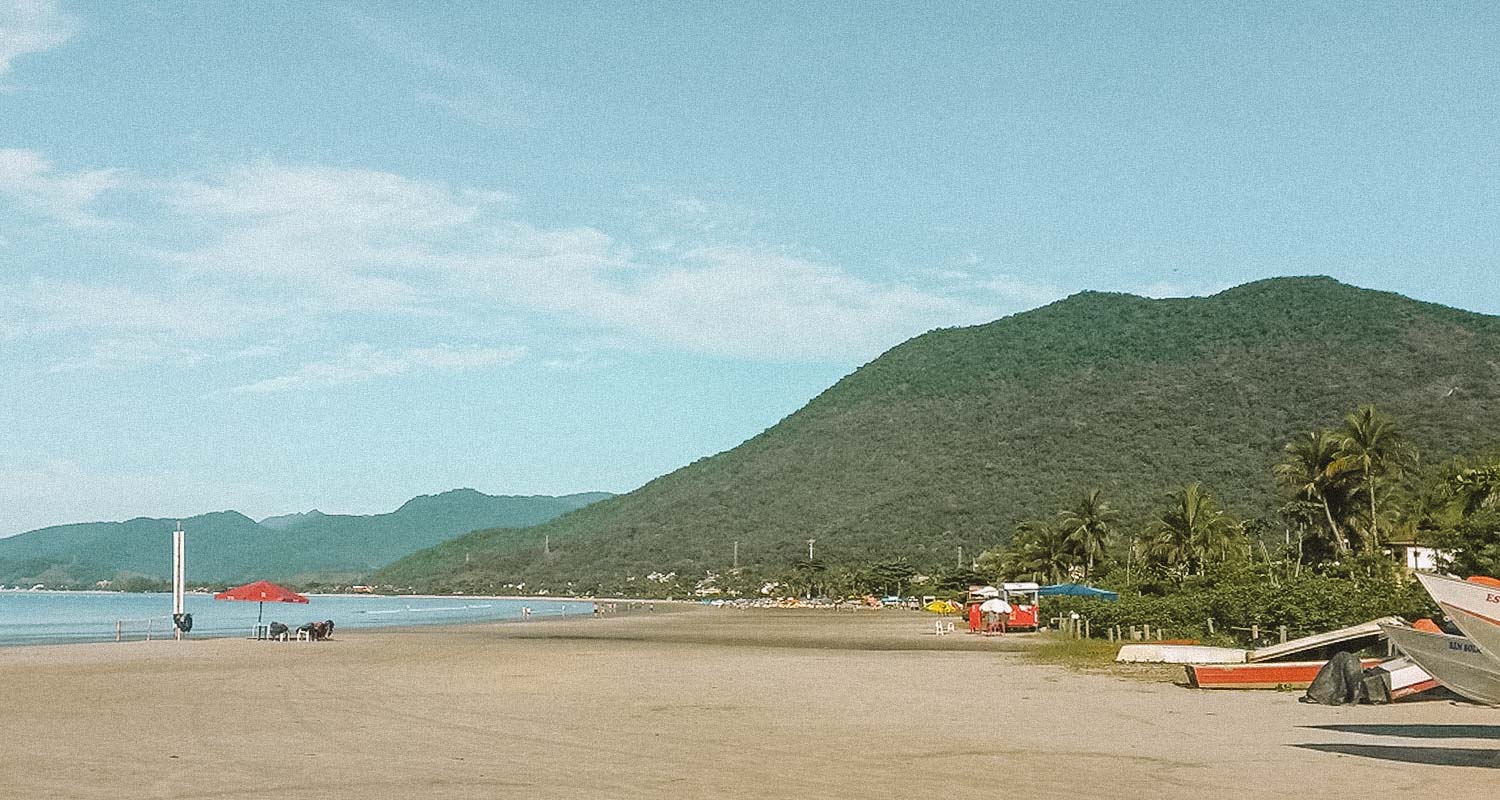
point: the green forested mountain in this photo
(949, 439)
(228, 546)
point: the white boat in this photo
(1483, 631)
(1342, 639)
(1154, 653)
(1474, 607)
(1456, 661)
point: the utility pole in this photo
(960, 556)
(179, 555)
(546, 544)
(809, 548)
(736, 554)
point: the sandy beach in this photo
(700, 703)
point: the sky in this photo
(282, 256)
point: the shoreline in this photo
(104, 637)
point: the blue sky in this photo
(274, 257)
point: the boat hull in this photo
(1473, 607)
(1456, 661)
(1283, 675)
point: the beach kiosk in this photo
(1023, 599)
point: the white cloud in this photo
(190, 314)
(316, 242)
(33, 183)
(1024, 292)
(31, 26)
(365, 240)
(466, 88)
(350, 240)
(753, 303)
(255, 351)
(127, 353)
(362, 362)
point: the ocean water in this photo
(58, 617)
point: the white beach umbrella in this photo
(995, 606)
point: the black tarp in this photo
(1344, 680)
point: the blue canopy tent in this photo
(1078, 590)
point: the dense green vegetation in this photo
(228, 546)
(945, 443)
(1319, 562)
(1239, 602)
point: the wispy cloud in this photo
(31, 26)
(464, 87)
(47, 306)
(350, 239)
(33, 183)
(762, 304)
(1027, 293)
(127, 353)
(366, 240)
(271, 246)
(362, 362)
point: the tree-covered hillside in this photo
(949, 439)
(228, 546)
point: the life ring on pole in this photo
(183, 622)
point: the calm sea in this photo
(57, 617)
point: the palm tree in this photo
(1192, 528)
(810, 568)
(1307, 470)
(1088, 525)
(1476, 488)
(1042, 551)
(893, 575)
(1371, 446)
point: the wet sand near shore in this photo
(700, 703)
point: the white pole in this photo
(178, 554)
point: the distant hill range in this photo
(949, 439)
(228, 546)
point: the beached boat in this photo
(1160, 653)
(1483, 630)
(1280, 675)
(1352, 638)
(1456, 661)
(1406, 677)
(1473, 605)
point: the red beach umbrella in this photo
(263, 592)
